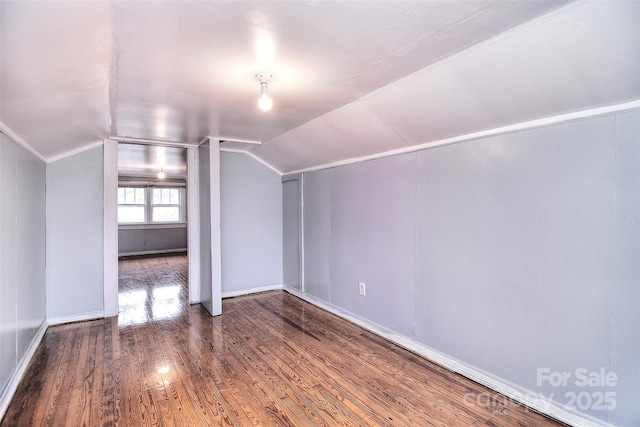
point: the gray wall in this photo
(251, 223)
(22, 254)
(149, 239)
(509, 253)
(75, 259)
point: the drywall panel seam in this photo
(12, 386)
(415, 245)
(518, 127)
(331, 225)
(301, 232)
(525, 397)
(614, 254)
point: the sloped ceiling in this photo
(350, 79)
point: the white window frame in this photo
(142, 205)
(148, 207)
(181, 205)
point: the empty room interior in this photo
(300, 213)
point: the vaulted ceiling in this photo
(350, 78)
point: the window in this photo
(150, 205)
(131, 205)
(165, 205)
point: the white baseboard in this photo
(237, 293)
(158, 252)
(12, 386)
(517, 394)
(59, 320)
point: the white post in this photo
(110, 247)
(216, 252)
(193, 224)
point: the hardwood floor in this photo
(270, 359)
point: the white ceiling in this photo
(143, 160)
(350, 78)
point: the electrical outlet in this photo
(362, 287)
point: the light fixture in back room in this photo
(161, 157)
(264, 103)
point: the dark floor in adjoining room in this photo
(270, 359)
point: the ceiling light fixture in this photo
(265, 103)
(161, 157)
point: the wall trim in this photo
(253, 156)
(241, 141)
(532, 124)
(12, 386)
(156, 226)
(4, 129)
(248, 291)
(158, 252)
(75, 151)
(145, 141)
(72, 318)
(517, 394)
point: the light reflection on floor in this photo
(151, 289)
(166, 302)
(132, 307)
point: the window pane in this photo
(131, 196)
(139, 196)
(166, 196)
(175, 196)
(166, 214)
(130, 214)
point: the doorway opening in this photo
(152, 232)
(152, 288)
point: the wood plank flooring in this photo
(270, 359)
